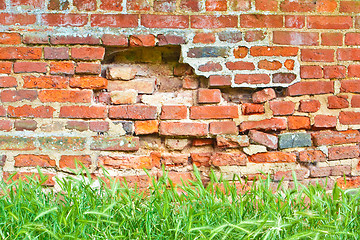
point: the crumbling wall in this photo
(240, 87)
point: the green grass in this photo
(190, 211)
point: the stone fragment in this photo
(254, 149)
(291, 140)
(176, 144)
(232, 141)
(264, 95)
(124, 97)
(121, 72)
(144, 85)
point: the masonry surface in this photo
(236, 86)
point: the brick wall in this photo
(263, 86)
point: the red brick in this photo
(268, 140)
(56, 53)
(29, 160)
(88, 82)
(174, 159)
(45, 82)
(204, 38)
(252, 78)
(138, 5)
(146, 127)
(69, 39)
(352, 86)
(146, 40)
(83, 112)
(127, 162)
(263, 95)
(209, 95)
(335, 137)
(283, 77)
(99, 126)
(309, 106)
(337, 102)
(18, 95)
(225, 127)
(30, 67)
(5, 67)
(331, 39)
(266, 5)
(139, 112)
(300, 174)
(298, 122)
(46, 179)
(6, 125)
(349, 182)
(114, 20)
(240, 52)
(201, 159)
(58, 5)
(219, 81)
(170, 39)
(296, 38)
(85, 5)
(349, 118)
(297, 6)
(77, 125)
(2, 111)
(70, 161)
(240, 65)
(352, 39)
(240, 5)
(317, 55)
(17, 19)
(6, 82)
(215, 5)
(228, 159)
(252, 108)
(253, 36)
(112, 5)
(114, 40)
(294, 21)
(273, 51)
(183, 129)
(190, 82)
(165, 21)
(269, 65)
(10, 38)
(33, 3)
(354, 70)
(282, 107)
(311, 156)
(173, 112)
(273, 157)
(261, 21)
(344, 152)
(210, 67)
(20, 53)
(2, 4)
(207, 21)
(266, 124)
(75, 96)
(88, 53)
(202, 142)
(62, 68)
(355, 101)
(311, 72)
(29, 111)
(326, 5)
(64, 20)
(350, 6)
(88, 68)
(324, 121)
(213, 112)
(311, 87)
(329, 22)
(334, 72)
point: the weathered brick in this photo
(146, 127)
(17, 143)
(338, 102)
(207, 21)
(219, 81)
(296, 38)
(6, 125)
(164, 21)
(31, 112)
(17, 19)
(309, 106)
(252, 108)
(173, 112)
(64, 19)
(77, 125)
(300, 174)
(329, 22)
(10, 38)
(190, 82)
(114, 20)
(30, 160)
(349, 118)
(230, 36)
(324, 121)
(213, 112)
(349, 6)
(21, 125)
(292, 140)
(311, 156)
(20, 53)
(335, 137)
(6, 82)
(170, 39)
(298, 122)
(263, 95)
(240, 65)
(273, 51)
(326, 5)
(202, 142)
(145, 85)
(5, 67)
(111, 5)
(146, 40)
(83, 112)
(344, 152)
(88, 82)
(283, 77)
(18, 95)
(334, 72)
(62, 143)
(232, 141)
(240, 52)
(88, 68)
(311, 88)
(72, 40)
(252, 78)
(46, 179)
(268, 140)
(225, 127)
(2, 111)
(125, 143)
(348, 54)
(183, 129)
(294, 21)
(331, 39)
(349, 182)
(45, 82)
(114, 40)
(57, 53)
(201, 159)
(261, 21)
(99, 126)
(174, 159)
(124, 97)
(139, 112)
(351, 86)
(269, 65)
(228, 159)
(354, 70)
(71, 161)
(311, 72)
(204, 52)
(317, 55)
(62, 68)
(266, 124)
(273, 157)
(2, 160)
(209, 95)
(85, 5)
(216, 5)
(282, 107)
(58, 5)
(320, 171)
(88, 53)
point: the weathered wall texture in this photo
(271, 86)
